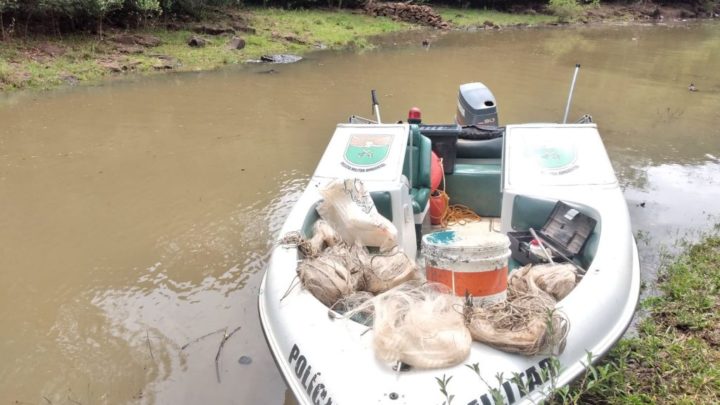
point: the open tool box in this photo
(565, 231)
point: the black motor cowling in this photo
(480, 137)
(476, 106)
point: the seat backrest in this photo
(479, 149)
(421, 151)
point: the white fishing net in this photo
(419, 324)
(326, 276)
(527, 323)
(381, 272)
(555, 279)
(323, 236)
(331, 270)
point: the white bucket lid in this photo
(466, 239)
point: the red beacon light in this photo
(414, 116)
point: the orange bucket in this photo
(469, 262)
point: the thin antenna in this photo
(376, 106)
(572, 88)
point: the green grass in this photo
(20, 68)
(336, 29)
(26, 68)
(675, 357)
(315, 28)
(474, 17)
(332, 28)
(5, 71)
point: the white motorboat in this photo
(515, 180)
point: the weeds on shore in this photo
(675, 357)
(25, 63)
(85, 58)
(478, 18)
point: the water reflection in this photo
(671, 203)
(110, 342)
(167, 310)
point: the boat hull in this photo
(328, 360)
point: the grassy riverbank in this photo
(675, 357)
(479, 18)
(42, 62)
(45, 62)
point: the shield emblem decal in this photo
(367, 151)
(554, 159)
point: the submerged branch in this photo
(147, 337)
(185, 346)
(217, 356)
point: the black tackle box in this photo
(566, 231)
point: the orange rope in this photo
(457, 214)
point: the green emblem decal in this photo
(367, 152)
(557, 159)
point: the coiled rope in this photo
(456, 214)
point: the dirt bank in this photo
(227, 37)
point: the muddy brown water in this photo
(136, 217)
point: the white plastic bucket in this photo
(469, 262)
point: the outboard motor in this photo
(476, 106)
(480, 137)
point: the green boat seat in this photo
(383, 203)
(420, 152)
(479, 149)
(419, 197)
(476, 184)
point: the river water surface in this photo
(136, 217)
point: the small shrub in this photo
(565, 9)
(145, 7)
(7, 5)
(4, 72)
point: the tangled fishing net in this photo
(304, 246)
(555, 279)
(381, 272)
(418, 324)
(327, 276)
(355, 306)
(324, 236)
(527, 323)
(332, 271)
